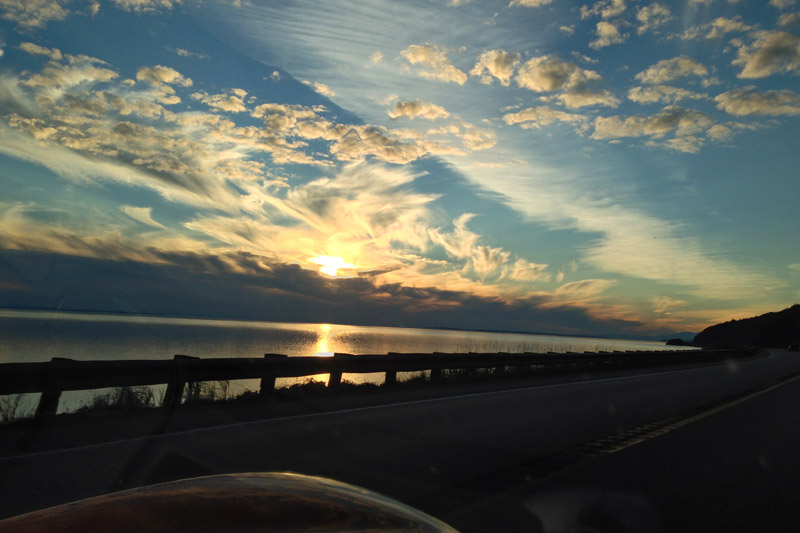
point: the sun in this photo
(330, 265)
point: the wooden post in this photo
(335, 378)
(48, 402)
(174, 393)
(391, 377)
(268, 379)
(436, 374)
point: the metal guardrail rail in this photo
(51, 378)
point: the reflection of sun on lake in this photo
(322, 348)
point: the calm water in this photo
(39, 336)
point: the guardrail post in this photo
(335, 377)
(174, 393)
(48, 401)
(391, 377)
(436, 374)
(268, 379)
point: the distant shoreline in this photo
(101, 313)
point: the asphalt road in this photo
(459, 457)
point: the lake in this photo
(38, 336)
(32, 336)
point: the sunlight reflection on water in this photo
(32, 337)
(40, 336)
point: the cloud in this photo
(160, 75)
(186, 53)
(55, 78)
(376, 57)
(142, 214)
(671, 119)
(773, 52)
(231, 101)
(581, 293)
(250, 287)
(496, 64)
(484, 261)
(549, 73)
(361, 141)
(789, 19)
(605, 8)
(567, 30)
(35, 49)
(321, 88)
(537, 117)
(722, 26)
(782, 4)
(529, 3)
(669, 69)
(476, 138)
(416, 108)
(434, 62)
(747, 101)
(607, 34)
(719, 133)
(717, 28)
(284, 118)
(348, 142)
(524, 270)
(652, 17)
(665, 304)
(32, 14)
(580, 86)
(651, 94)
(146, 6)
(663, 253)
(357, 214)
(685, 124)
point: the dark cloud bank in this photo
(241, 287)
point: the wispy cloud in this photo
(434, 63)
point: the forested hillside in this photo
(778, 329)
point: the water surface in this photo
(27, 336)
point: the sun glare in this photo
(330, 265)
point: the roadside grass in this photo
(496, 346)
(15, 407)
(120, 399)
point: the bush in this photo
(122, 399)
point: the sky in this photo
(613, 167)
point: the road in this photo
(455, 455)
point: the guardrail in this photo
(51, 378)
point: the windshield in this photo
(207, 207)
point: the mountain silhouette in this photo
(776, 330)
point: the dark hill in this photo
(769, 330)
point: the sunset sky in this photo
(619, 167)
